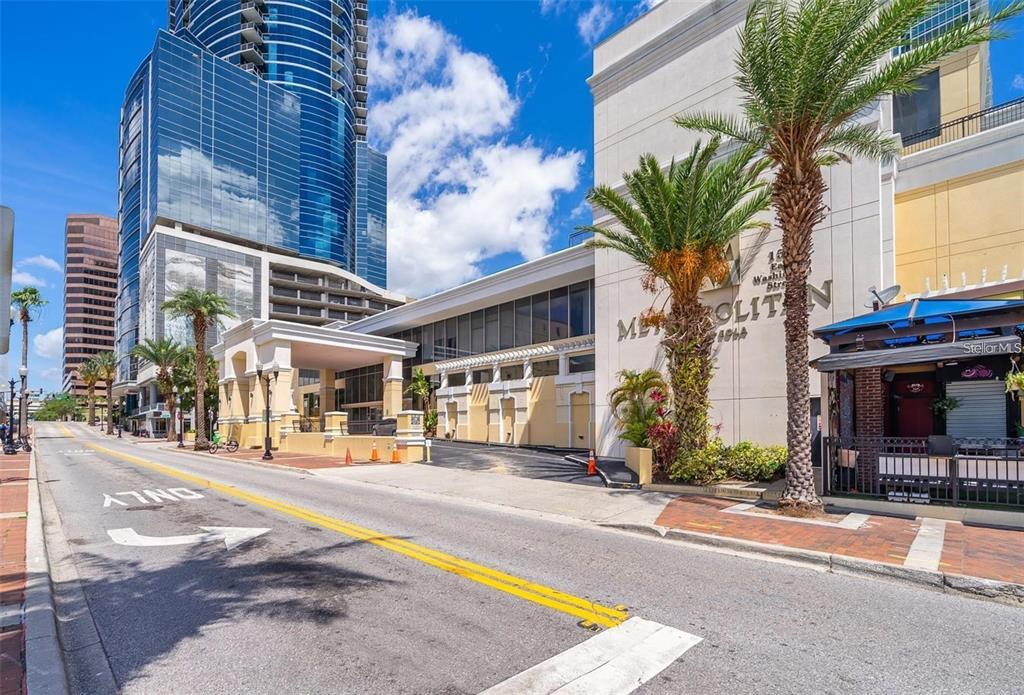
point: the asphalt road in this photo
(525, 463)
(305, 608)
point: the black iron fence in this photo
(971, 124)
(982, 471)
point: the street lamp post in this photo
(9, 439)
(177, 414)
(120, 416)
(265, 383)
(23, 408)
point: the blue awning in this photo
(917, 312)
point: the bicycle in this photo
(231, 445)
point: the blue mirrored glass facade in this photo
(370, 238)
(245, 121)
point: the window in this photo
(451, 340)
(491, 341)
(309, 311)
(511, 372)
(579, 309)
(427, 344)
(283, 309)
(482, 376)
(477, 345)
(465, 341)
(540, 318)
(308, 294)
(545, 368)
(284, 292)
(439, 353)
(308, 377)
(559, 308)
(456, 378)
(918, 111)
(524, 322)
(581, 363)
(506, 328)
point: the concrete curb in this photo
(44, 658)
(1008, 593)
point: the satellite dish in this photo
(881, 298)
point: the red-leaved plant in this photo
(663, 436)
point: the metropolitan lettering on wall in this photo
(741, 311)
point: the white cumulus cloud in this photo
(21, 277)
(459, 190)
(54, 374)
(1018, 82)
(42, 262)
(50, 344)
(593, 23)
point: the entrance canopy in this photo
(286, 345)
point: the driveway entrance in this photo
(525, 463)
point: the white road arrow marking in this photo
(231, 535)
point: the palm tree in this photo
(420, 388)
(106, 366)
(678, 226)
(90, 374)
(162, 353)
(204, 309)
(806, 71)
(26, 301)
(632, 404)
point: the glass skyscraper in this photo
(248, 121)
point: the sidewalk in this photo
(14, 473)
(944, 554)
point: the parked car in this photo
(385, 428)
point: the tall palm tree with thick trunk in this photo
(90, 375)
(106, 365)
(810, 74)
(163, 354)
(204, 310)
(677, 223)
(27, 301)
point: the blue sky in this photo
(531, 136)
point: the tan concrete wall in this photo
(943, 231)
(479, 413)
(544, 427)
(315, 443)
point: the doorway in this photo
(579, 404)
(508, 419)
(912, 396)
(452, 417)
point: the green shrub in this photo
(748, 461)
(742, 461)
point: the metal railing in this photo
(979, 471)
(972, 124)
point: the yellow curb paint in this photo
(536, 593)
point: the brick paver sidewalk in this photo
(287, 459)
(13, 522)
(968, 550)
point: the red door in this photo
(912, 402)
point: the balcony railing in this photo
(964, 126)
(936, 470)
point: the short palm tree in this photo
(163, 354)
(204, 309)
(677, 223)
(632, 405)
(26, 302)
(106, 366)
(419, 388)
(89, 375)
(807, 70)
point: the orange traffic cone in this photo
(591, 464)
(374, 455)
(395, 458)
(348, 457)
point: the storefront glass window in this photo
(456, 378)
(507, 326)
(540, 318)
(511, 372)
(491, 341)
(579, 309)
(478, 332)
(524, 322)
(545, 368)
(465, 341)
(559, 308)
(581, 363)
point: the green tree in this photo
(205, 310)
(420, 388)
(806, 71)
(90, 375)
(183, 377)
(27, 301)
(632, 405)
(677, 223)
(106, 366)
(57, 407)
(163, 354)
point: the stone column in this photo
(336, 423)
(409, 436)
(326, 392)
(392, 386)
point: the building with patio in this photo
(921, 403)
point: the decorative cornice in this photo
(490, 358)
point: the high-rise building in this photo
(90, 289)
(241, 134)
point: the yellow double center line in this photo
(589, 613)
